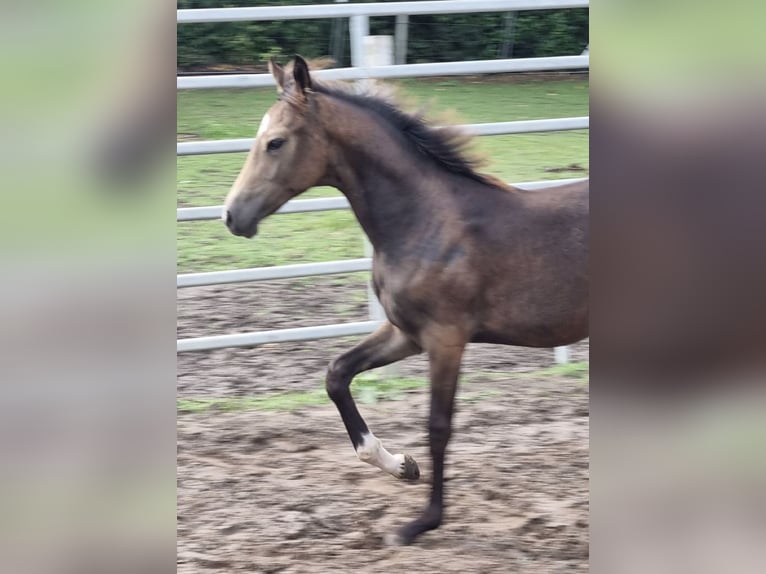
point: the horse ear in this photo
(279, 74)
(301, 74)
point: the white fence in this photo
(358, 13)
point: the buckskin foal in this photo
(459, 256)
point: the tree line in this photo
(431, 38)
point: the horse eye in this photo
(274, 144)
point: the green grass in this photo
(368, 388)
(578, 370)
(283, 402)
(217, 114)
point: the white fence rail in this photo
(395, 71)
(276, 336)
(384, 9)
(489, 129)
(358, 14)
(271, 273)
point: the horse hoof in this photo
(410, 470)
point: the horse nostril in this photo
(228, 218)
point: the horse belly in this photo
(534, 335)
(536, 318)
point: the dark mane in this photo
(445, 146)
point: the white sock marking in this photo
(372, 452)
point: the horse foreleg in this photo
(444, 371)
(386, 345)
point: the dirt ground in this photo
(273, 491)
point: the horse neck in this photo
(386, 185)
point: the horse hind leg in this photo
(386, 345)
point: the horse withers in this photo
(459, 256)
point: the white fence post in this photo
(376, 51)
(358, 28)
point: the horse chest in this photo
(406, 294)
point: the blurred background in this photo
(429, 37)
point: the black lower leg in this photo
(352, 420)
(384, 346)
(431, 517)
(445, 368)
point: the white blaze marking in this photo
(264, 126)
(372, 452)
(237, 186)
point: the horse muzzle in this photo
(239, 225)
